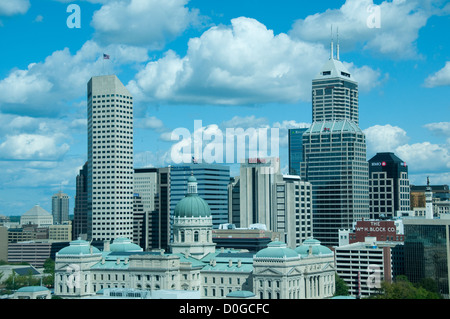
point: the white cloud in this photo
(9, 8)
(425, 157)
(40, 174)
(244, 63)
(151, 159)
(148, 23)
(151, 122)
(32, 147)
(366, 77)
(384, 138)
(245, 122)
(440, 128)
(39, 18)
(440, 78)
(422, 157)
(390, 28)
(44, 88)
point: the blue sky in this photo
(230, 64)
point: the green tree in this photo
(341, 287)
(401, 288)
(14, 281)
(49, 266)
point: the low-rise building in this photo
(364, 265)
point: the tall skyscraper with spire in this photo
(334, 153)
(110, 159)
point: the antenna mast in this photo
(331, 49)
(337, 47)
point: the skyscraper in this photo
(295, 141)
(257, 176)
(110, 159)
(334, 153)
(334, 93)
(79, 227)
(388, 185)
(60, 208)
(145, 184)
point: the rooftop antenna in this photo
(337, 47)
(331, 50)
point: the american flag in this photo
(105, 56)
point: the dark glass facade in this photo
(212, 186)
(388, 185)
(80, 222)
(335, 164)
(295, 138)
(426, 253)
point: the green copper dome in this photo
(123, 244)
(192, 205)
(312, 246)
(78, 247)
(277, 249)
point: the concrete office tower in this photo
(334, 93)
(212, 182)
(388, 186)
(110, 159)
(60, 208)
(155, 186)
(79, 227)
(292, 209)
(145, 184)
(334, 154)
(257, 176)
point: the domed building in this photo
(192, 224)
(72, 263)
(306, 272)
(276, 251)
(312, 247)
(37, 215)
(194, 264)
(124, 244)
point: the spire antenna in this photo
(337, 46)
(331, 49)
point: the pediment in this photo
(269, 272)
(328, 266)
(68, 267)
(295, 271)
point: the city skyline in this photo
(244, 64)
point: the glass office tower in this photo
(334, 154)
(212, 186)
(295, 139)
(426, 251)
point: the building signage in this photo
(256, 160)
(380, 164)
(376, 227)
